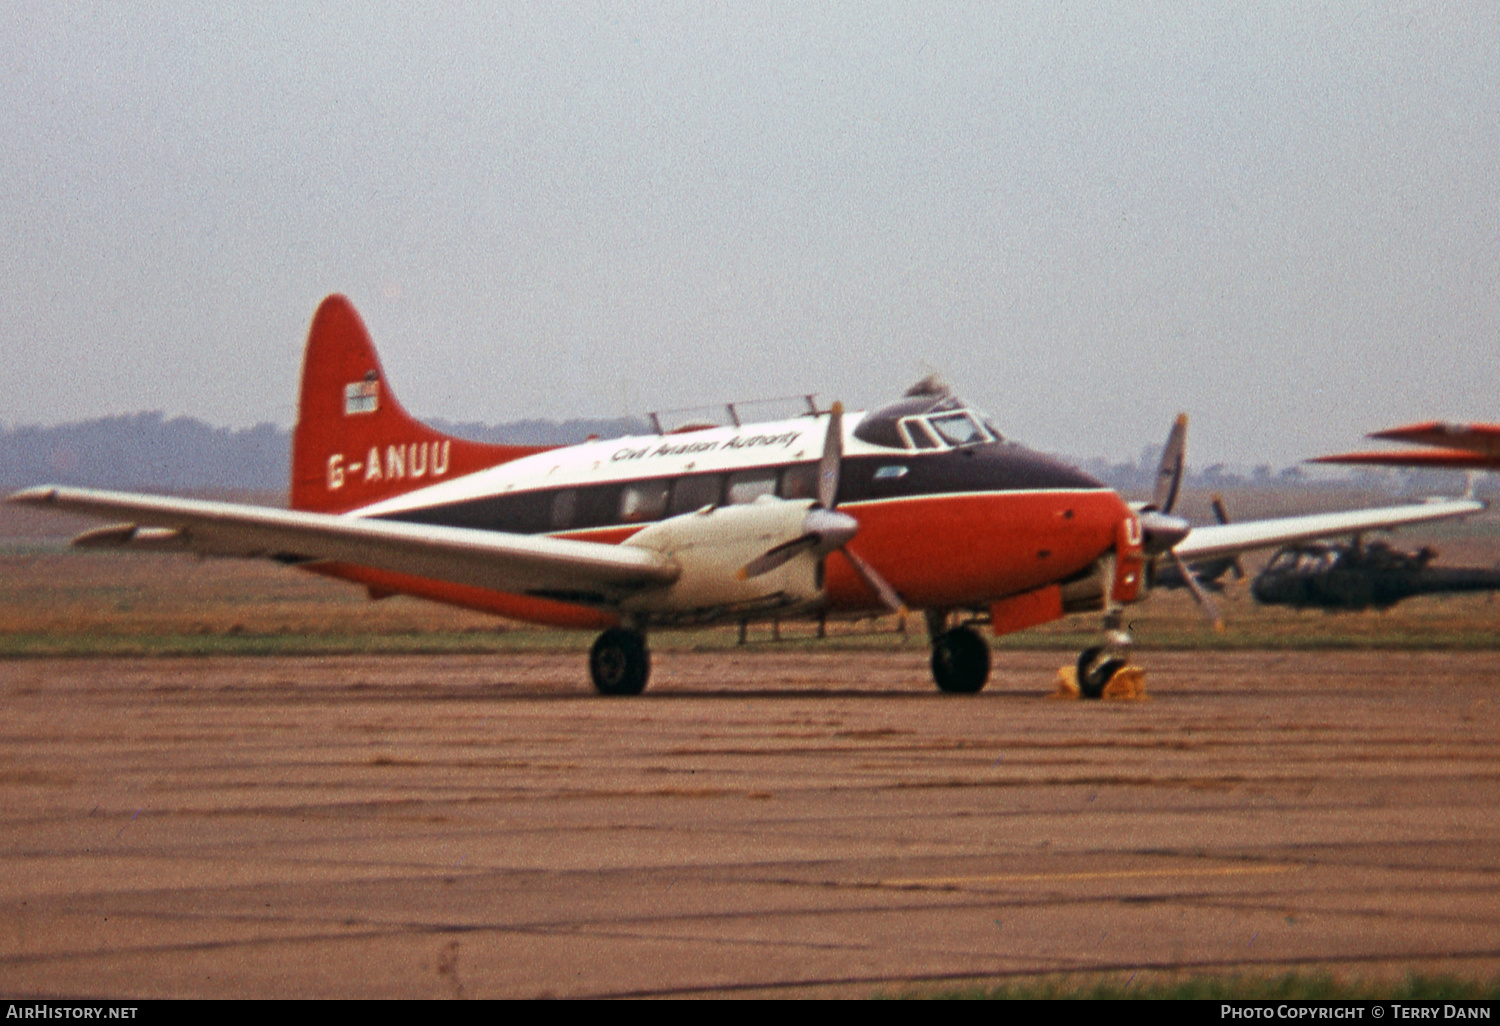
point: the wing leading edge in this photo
(485, 559)
(1228, 539)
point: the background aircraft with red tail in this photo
(919, 505)
(1451, 447)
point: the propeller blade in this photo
(1169, 472)
(823, 530)
(772, 558)
(1206, 603)
(833, 455)
(1221, 513)
(876, 582)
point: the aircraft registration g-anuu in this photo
(917, 505)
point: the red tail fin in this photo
(354, 444)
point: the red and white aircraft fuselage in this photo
(920, 504)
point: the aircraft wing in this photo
(1481, 438)
(1455, 447)
(486, 559)
(1227, 539)
(1441, 459)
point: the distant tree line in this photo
(148, 451)
(1139, 478)
(141, 450)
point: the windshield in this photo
(958, 429)
(926, 422)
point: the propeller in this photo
(1210, 609)
(1161, 531)
(824, 529)
(1221, 514)
(1169, 471)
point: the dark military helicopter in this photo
(1354, 575)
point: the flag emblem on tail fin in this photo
(362, 396)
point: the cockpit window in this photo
(959, 429)
(916, 434)
(926, 421)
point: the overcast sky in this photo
(1283, 219)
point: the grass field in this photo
(1288, 987)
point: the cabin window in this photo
(564, 508)
(800, 481)
(643, 500)
(749, 485)
(523, 513)
(890, 473)
(695, 492)
(597, 506)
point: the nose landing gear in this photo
(1098, 665)
(960, 656)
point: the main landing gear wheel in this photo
(1094, 672)
(960, 661)
(619, 662)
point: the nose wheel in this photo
(960, 657)
(1098, 665)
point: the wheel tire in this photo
(960, 661)
(1092, 677)
(619, 662)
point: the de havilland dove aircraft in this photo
(918, 505)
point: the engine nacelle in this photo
(712, 545)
